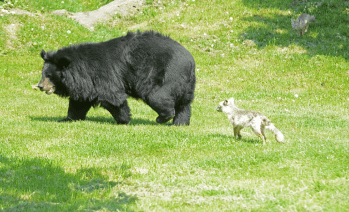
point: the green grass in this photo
(245, 49)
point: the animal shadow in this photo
(99, 119)
(231, 139)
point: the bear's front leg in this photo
(121, 114)
(77, 110)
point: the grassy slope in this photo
(244, 49)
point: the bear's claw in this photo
(162, 119)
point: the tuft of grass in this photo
(244, 49)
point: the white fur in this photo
(243, 118)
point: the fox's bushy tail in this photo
(278, 135)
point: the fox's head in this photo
(225, 104)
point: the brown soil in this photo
(90, 18)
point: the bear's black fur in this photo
(145, 65)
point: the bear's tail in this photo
(278, 135)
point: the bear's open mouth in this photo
(50, 91)
(36, 87)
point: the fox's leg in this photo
(257, 130)
(235, 132)
(306, 28)
(262, 137)
(239, 134)
(262, 131)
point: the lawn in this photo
(244, 49)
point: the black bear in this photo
(145, 65)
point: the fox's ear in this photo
(231, 100)
(225, 103)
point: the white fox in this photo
(244, 118)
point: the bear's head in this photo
(51, 79)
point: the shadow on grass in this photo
(38, 185)
(251, 141)
(231, 138)
(328, 35)
(135, 121)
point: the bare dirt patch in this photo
(90, 18)
(11, 33)
(17, 11)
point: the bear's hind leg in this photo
(77, 110)
(121, 114)
(161, 102)
(183, 113)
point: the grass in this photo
(244, 49)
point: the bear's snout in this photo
(46, 85)
(40, 86)
(35, 87)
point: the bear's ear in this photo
(43, 54)
(225, 103)
(63, 62)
